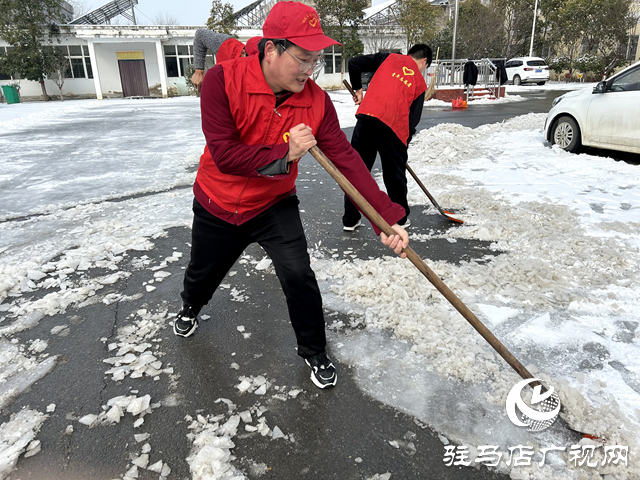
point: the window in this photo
(79, 61)
(536, 63)
(333, 60)
(632, 49)
(177, 58)
(628, 82)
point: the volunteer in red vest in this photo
(387, 119)
(260, 116)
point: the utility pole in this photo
(533, 31)
(133, 12)
(453, 48)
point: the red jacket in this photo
(392, 90)
(244, 134)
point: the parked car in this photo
(527, 70)
(607, 116)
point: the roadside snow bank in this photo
(560, 293)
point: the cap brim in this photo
(313, 42)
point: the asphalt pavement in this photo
(339, 433)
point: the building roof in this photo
(103, 15)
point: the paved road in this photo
(338, 434)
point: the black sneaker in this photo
(405, 222)
(351, 228)
(323, 373)
(186, 322)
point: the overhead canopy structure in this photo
(104, 14)
(254, 14)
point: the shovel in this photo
(445, 213)
(376, 218)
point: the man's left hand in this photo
(396, 242)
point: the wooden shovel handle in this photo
(376, 218)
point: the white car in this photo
(607, 116)
(527, 70)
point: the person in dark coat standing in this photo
(387, 119)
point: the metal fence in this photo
(450, 73)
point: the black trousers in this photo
(216, 245)
(370, 137)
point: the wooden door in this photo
(133, 75)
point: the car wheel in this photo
(517, 80)
(541, 83)
(566, 134)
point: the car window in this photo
(630, 81)
(536, 63)
(510, 64)
(519, 63)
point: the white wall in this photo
(107, 59)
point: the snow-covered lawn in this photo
(560, 293)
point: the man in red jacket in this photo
(260, 115)
(387, 119)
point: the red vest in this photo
(393, 88)
(252, 104)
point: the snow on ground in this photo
(553, 85)
(561, 291)
(347, 110)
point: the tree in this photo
(480, 30)
(80, 7)
(60, 63)
(340, 20)
(609, 24)
(599, 27)
(418, 19)
(29, 27)
(165, 18)
(221, 18)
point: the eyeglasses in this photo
(306, 66)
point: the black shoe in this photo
(405, 222)
(351, 228)
(323, 373)
(186, 322)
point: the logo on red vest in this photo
(407, 71)
(401, 78)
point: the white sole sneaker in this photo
(406, 224)
(351, 229)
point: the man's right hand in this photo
(301, 139)
(358, 98)
(197, 78)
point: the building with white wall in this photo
(133, 60)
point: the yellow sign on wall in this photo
(135, 55)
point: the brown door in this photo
(133, 75)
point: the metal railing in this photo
(450, 73)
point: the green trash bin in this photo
(11, 93)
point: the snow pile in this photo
(19, 370)
(117, 407)
(211, 457)
(134, 350)
(17, 436)
(561, 287)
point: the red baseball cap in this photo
(298, 23)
